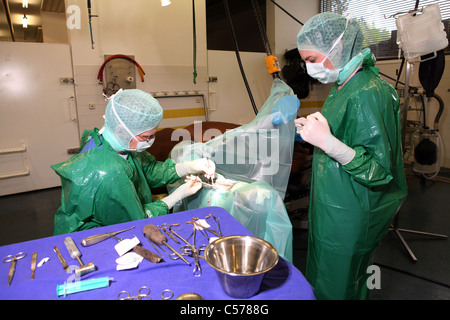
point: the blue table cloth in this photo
(283, 282)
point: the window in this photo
(377, 23)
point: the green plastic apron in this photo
(101, 188)
(352, 206)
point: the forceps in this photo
(125, 295)
(13, 259)
(196, 254)
(217, 222)
(191, 250)
(202, 227)
(187, 250)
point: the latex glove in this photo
(196, 166)
(315, 130)
(185, 190)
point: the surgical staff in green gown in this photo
(358, 182)
(109, 181)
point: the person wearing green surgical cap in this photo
(109, 181)
(358, 182)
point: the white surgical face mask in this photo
(319, 71)
(143, 145)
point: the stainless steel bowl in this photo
(240, 263)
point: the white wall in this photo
(159, 38)
(229, 100)
(155, 35)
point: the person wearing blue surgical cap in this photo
(358, 182)
(109, 181)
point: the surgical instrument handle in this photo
(100, 237)
(147, 254)
(61, 258)
(33, 264)
(72, 248)
(153, 234)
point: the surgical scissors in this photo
(138, 297)
(13, 259)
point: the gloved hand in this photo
(195, 166)
(315, 130)
(185, 190)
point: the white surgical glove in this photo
(185, 190)
(315, 130)
(195, 166)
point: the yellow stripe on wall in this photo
(180, 127)
(311, 104)
(182, 113)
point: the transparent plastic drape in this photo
(258, 157)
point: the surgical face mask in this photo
(319, 71)
(143, 145)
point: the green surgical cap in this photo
(137, 110)
(319, 33)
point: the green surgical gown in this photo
(99, 187)
(352, 205)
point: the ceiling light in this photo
(25, 21)
(165, 3)
(24, 3)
